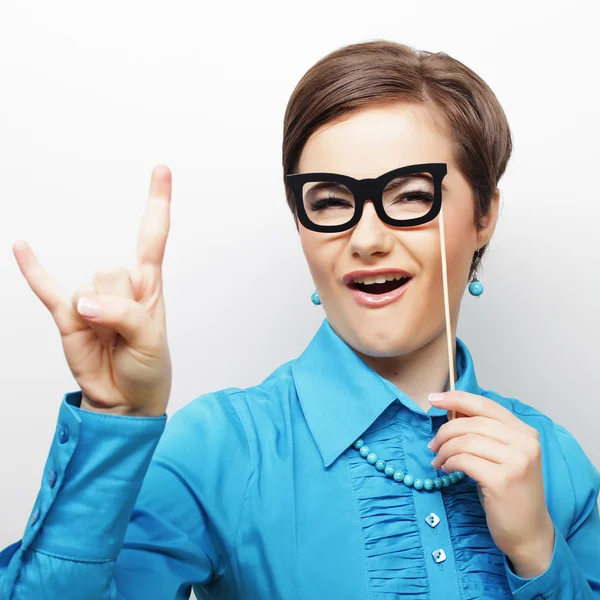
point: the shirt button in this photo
(432, 519)
(34, 517)
(439, 555)
(63, 434)
(52, 477)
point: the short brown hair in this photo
(380, 71)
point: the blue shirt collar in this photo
(341, 396)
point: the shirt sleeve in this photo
(574, 571)
(132, 507)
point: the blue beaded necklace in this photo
(406, 478)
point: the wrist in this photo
(534, 559)
(124, 411)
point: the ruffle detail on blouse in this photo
(479, 561)
(395, 560)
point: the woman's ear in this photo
(489, 220)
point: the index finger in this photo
(152, 237)
(476, 405)
(39, 280)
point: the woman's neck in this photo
(419, 373)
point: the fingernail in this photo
(88, 308)
(430, 444)
(436, 397)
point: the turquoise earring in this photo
(476, 287)
(315, 298)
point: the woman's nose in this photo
(371, 234)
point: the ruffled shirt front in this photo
(258, 493)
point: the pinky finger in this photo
(481, 470)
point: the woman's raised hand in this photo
(119, 356)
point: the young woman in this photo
(318, 483)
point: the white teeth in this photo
(380, 278)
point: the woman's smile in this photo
(375, 295)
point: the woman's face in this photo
(369, 143)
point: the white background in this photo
(94, 95)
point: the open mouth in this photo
(380, 288)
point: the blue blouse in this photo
(258, 493)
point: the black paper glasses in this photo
(404, 197)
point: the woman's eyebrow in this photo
(401, 179)
(340, 187)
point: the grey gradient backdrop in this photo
(93, 97)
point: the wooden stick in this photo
(447, 306)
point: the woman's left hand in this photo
(503, 455)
